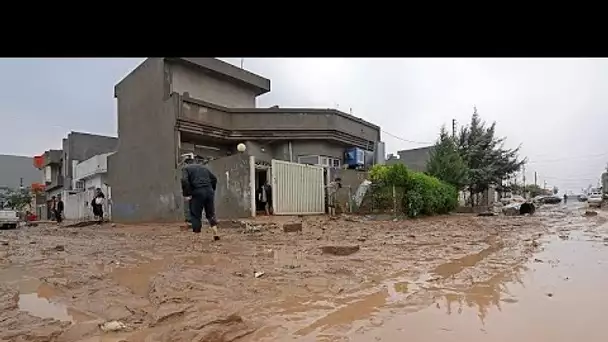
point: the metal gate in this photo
(297, 189)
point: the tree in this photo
(17, 200)
(445, 162)
(534, 190)
(485, 156)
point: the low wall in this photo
(233, 193)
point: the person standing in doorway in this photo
(97, 204)
(332, 191)
(198, 187)
(59, 210)
(265, 197)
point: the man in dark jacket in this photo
(198, 187)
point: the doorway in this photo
(261, 176)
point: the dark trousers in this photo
(201, 200)
(58, 216)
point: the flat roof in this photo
(226, 70)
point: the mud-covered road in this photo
(452, 278)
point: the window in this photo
(80, 185)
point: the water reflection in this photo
(482, 296)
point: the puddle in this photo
(561, 299)
(138, 278)
(36, 298)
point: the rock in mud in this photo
(59, 248)
(4, 242)
(340, 250)
(292, 227)
(590, 213)
(112, 326)
(361, 238)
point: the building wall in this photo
(82, 146)
(269, 122)
(91, 167)
(206, 87)
(233, 193)
(415, 159)
(143, 172)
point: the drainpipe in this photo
(290, 152)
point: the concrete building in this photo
(88, 176)
(78, 147)
(58, 165)
(414, 159)
(171, 106)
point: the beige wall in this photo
(205, 87)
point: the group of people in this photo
(57, 207)
(199, 185)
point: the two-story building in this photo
(58, 165)
(171, 106)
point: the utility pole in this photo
(242, 62)
(453, 128)
(535, 179)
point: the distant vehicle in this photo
(582, 198)
(512, 199)
(595, 199)
(9, 219)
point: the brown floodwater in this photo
(559, 295)
(451, 278)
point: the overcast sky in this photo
(554, 108)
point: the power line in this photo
(406, 140)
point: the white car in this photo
(595, 199)
(9, 219)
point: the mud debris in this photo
(340, 250)
(292, 227)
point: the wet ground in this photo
(452, 278)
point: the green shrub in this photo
(417, 193)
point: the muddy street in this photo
(451, 278)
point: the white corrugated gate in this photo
(297, 189)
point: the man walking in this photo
(198, 187)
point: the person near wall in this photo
(198, 187)
(265, 197)
(332, 192)
(59, 210)
(97, 204)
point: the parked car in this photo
(582, 198)
(595, 199)
(9, 219)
